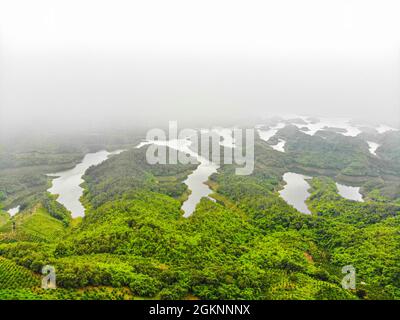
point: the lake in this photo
(13, 211)
(373, 146)
(295, 192)
(280, 146)
(197, 179)
(350, 193)
(67, 183)
(196, 184)
(270, 132)
(315, 125)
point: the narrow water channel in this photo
(67, 184)
(295, 192)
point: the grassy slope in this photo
(13, 276)
(35, 225)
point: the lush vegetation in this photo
(133, 242)
(13, 276)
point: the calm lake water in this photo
(373, 146)
(13, 211)
(384, 128)
(295, 192)
(67, 183)
(313, 127)
(196, 180)
(280, 146)
(270, 132)
(351, 193)
(196, 184)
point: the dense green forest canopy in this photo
(133, 242)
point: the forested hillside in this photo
(133, 242)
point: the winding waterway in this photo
(295, 192)
(197, 179)
(270, 132)
(67, 183)
(280, 146)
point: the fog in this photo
(73, 65)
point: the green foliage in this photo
(36, 225)
(249, 244)
(13, 276)
(129, 172)
(56, 210)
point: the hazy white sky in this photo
(128, 60)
